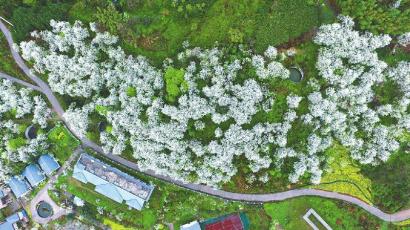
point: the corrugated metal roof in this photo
(136, 203)
(115, 176)
(110, 191)
(6, 226)
(33, 174)
(14, 218)
(48, 164)
(105, 186)
(18, 186)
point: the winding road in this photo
(254, 198)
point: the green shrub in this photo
(16, 143)
(110, 18)
(175, 83)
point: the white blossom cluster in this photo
(221, 93)
(19, 104)
(72, 61)
(347, 110)
(22, 103)
(77, 119)
(404, 39)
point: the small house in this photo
(48, 164)
(19, 186)
(33, 175)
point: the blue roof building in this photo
(6, 226)
(34, 175)
(111, 182)
(10, 222)
(48, 164)
(19, 186)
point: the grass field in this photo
(62, 142)
(338, 215)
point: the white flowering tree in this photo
(212, 121)
(15, 105)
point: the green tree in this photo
(110, 18)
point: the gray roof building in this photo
(111, 182)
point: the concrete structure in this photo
(314, 213)
(19, 186)
(112, 182)
(31, 132)
(48, 164)
(34, 175)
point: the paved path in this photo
(42, 195)
(18, 81)
(257, 198)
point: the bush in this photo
(175, 83)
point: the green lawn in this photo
(62, 142)
(337, 214)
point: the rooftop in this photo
(33, 174)
(191, 226)
(11, 220)
(115, 176)
(112, 182)
(19, 186)
(48, 164)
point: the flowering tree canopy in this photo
(18, 104)
(193, 118)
